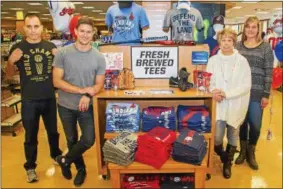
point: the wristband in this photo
(88, 95)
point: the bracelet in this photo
(88, 95)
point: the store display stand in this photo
(13, 117)
(189, 97)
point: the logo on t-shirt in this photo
(38, 56)
(124, 25)
(184, 22)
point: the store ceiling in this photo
(232, 15)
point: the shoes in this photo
(31, 176)
(251, 157)
(181, 81)
(65, 167)
(80, 177)
(243, 152)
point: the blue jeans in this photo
(31, 112)
(77, 147)
(232, 133)
(254, 121)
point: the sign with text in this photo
(114, 61)
(154, 62)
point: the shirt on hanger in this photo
(126, 22)
(182, 22)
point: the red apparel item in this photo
(140, 181)
(154, 147)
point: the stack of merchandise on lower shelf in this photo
(194, 117)
(163, 181)
(158, 116)
(190, 147)
(154, 147)
(177, 180)
(140, 181)
(122, 117)
(121, 149)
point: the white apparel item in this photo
(232, 74)
(183, 4)
(62, 13)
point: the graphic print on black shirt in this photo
(35, 68)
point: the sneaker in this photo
(80, 177)
(65, 167)
(31, 176)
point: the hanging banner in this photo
(154, 62)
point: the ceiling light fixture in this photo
(4, 13)
(88, 7)
(278, 8)
(16, 9)
(251, 1)
(262, 12)
(237, 7)
(78, 3)
(36, 12)
(8, 17)
(46, 14)
(249, 15)
(97, 10)
(102, 13)
(34, 4)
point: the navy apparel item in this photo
(158, 116)
(194, 117)
(190, 138)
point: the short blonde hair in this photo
(252, 19)
(227, 32)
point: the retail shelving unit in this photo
(190, 97)
(11, 117)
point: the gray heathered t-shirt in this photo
(80, 69)
(182, 22)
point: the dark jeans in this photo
(253, 120)
(31, 112)
(77, 147)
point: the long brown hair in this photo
(253, 19)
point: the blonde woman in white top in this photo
(230, 85)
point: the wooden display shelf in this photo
(112, 135)
(190, 97)
(170, 166)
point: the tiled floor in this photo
(268, 153)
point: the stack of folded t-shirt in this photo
(177, 180)
(158, 116)
(154, 147)
(122, 117)
(121, 149)
(140, 181)
(194, 117)
(190, 147)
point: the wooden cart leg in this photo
(200, 178)
(115, 178)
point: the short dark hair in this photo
(30, 15)
(85, 20)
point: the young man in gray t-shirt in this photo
(182, 22)
(78, 74)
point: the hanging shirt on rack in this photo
(126, 22)
(182, 22)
